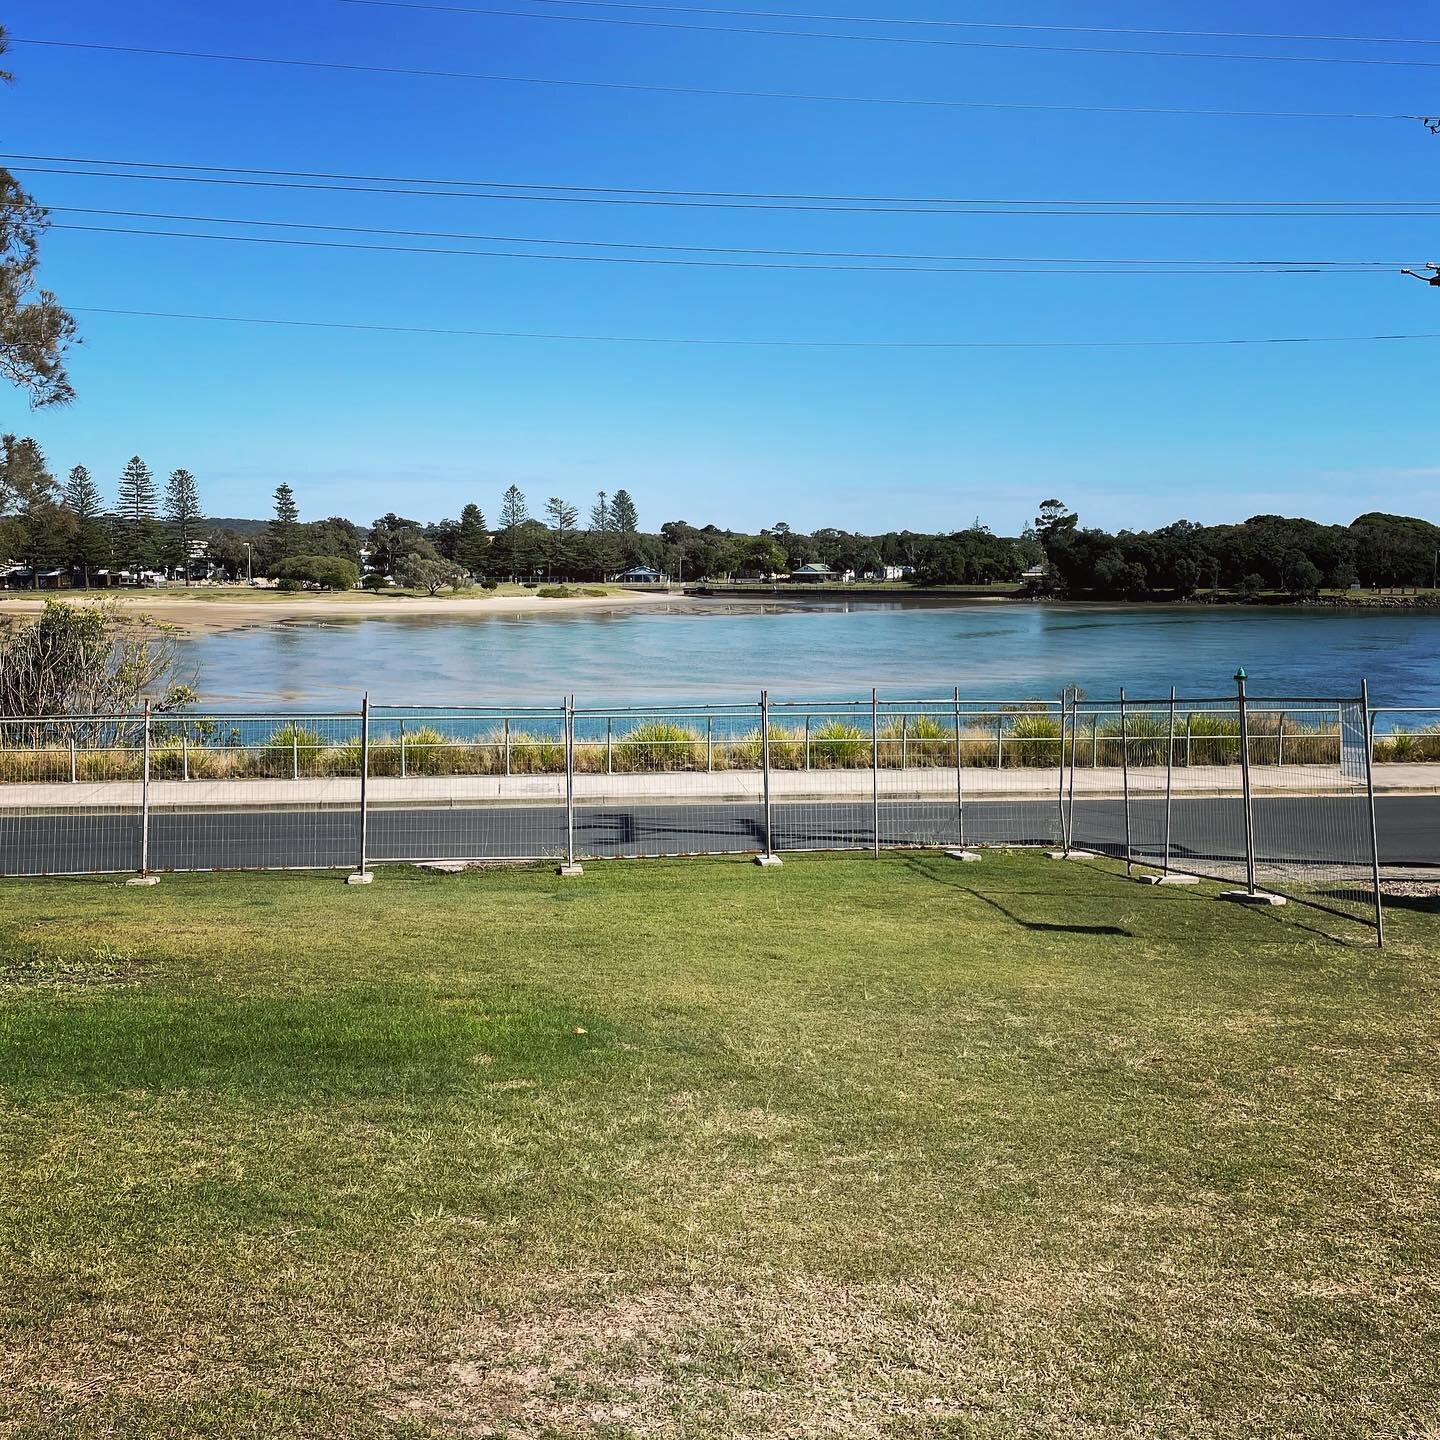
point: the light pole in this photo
(249, 579)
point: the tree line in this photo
(46, 524)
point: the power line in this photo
(906, 21)
(1221, 264)
(711, 92)
(929, 40)
(658, 191)
(830, 205)
(749, 344)
(790, 266)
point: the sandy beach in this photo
(213, 611)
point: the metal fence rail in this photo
(1255, 791)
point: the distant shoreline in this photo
(219, 611)
(199, 612)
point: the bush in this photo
(376, 581)
(659, 745)
(1031, 740)
(838, 745)
(289, 587)
(325, 572)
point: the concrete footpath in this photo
(689, 787)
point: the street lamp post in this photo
(249, 579)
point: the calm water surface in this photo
(695, 651)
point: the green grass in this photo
(894, 1148)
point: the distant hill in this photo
(240, 527)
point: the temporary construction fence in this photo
(1269, 794)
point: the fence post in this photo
(999, 740)
(609, 744)
(145, 799)
(709, 744)
(402, 751)
(1060, 798)
(1188, 718)
(807, 741)
(1095, 741)
(1243, 707)
(959, 776)
(904, 744)
(570, 784)
(295, 751)
(360, 875)
(765, 769)
(74, 765)
(1125, 783)
(1074, 737)
(1280, 740)
(1370, 801)
(184, 754)
(1169, 778)
(507, 745)
(875, 772)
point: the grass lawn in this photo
(854, 1148)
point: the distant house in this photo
(640, 575)
(1036, 572)
(888, 572)
(813, 574)
(22, 577)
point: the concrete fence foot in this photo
(570, 872)
(1258, 897)
(360, 877)
(1168, 879)
(768, 861)
(143, 880)
(1071, 855)
(968, 857)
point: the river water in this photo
(694, 651)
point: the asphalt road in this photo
(1204, 831)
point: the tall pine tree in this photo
(472, 543)
(284, 529)
(513, 514)
(40, 534)
(91, 545)
(182, 510)
(137, 531)
(623, 515)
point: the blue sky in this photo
(868, 439)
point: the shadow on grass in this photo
(944, 873)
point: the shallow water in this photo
(694, 651)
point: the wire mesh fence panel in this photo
(919, 782)
(823, 777)
(467, 783)
(72, 795)
(1313, 838)
(1010, 767)
(669, 781)
(254, 792)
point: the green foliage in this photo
(324, 572)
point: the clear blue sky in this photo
(866, 439)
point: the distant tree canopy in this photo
(1264, 553)
(44, 526)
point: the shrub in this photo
(1031, 740)
(839, 745)
(290, 746)
(376, 581)
(659, 745)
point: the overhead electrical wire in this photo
(743, 201)
(1161, 268)
(785, 344)
(1222, 265)
(701, 91)
(925, 40)
(926, 23)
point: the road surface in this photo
(1204, 832)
